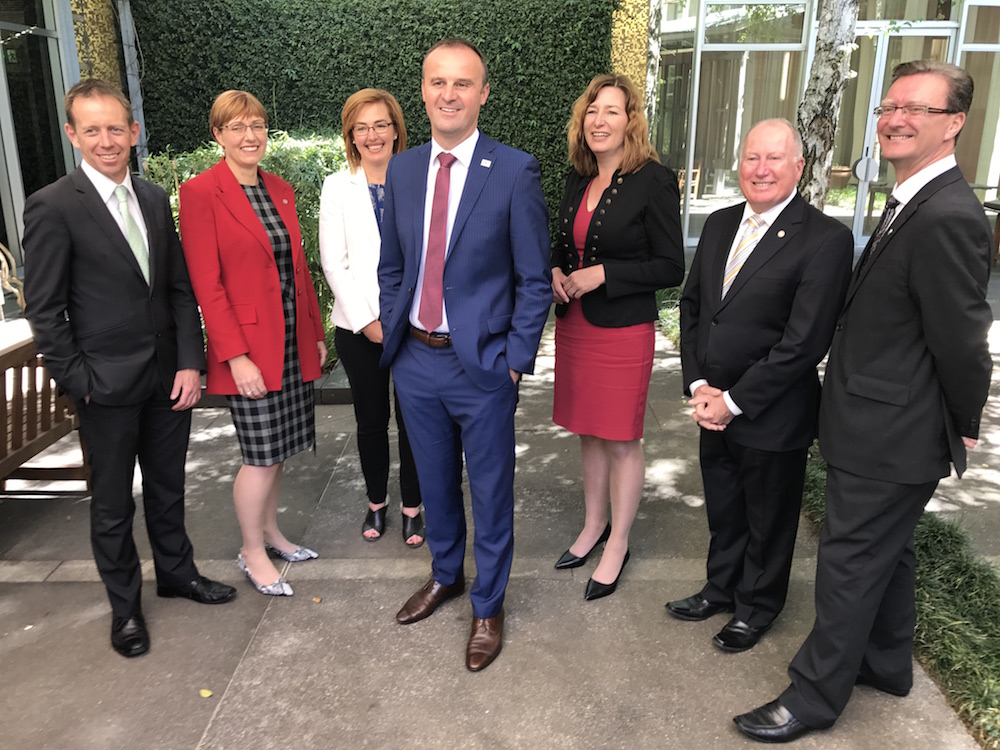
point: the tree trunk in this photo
(653, 60)
(820, 108)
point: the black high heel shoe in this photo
(569, 560)
(596, 589)
(374, 520)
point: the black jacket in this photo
(636, 233)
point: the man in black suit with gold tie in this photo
(757, 315)
(908, 376)
(112, 311)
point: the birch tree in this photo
(653, 60)
(820, 107)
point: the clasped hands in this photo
(710, 409)
(577, 284)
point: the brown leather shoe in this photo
(423, 603)
(485, 642)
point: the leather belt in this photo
(435, 340)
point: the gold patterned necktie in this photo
(132, 232)
(749, 240)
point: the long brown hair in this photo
(349, 118)
(638, 150)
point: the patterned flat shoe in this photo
(278, 588)
(299, 555)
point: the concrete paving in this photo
(330, 668)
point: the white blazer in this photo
(349, 243)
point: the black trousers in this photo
(865, 609)
(753, 499)
(115, 437)
(370, 390)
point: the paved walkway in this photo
(330, 668)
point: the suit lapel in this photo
(101, 215)
(904, 216)
(283, 200)
(419, 179)
(730, 227)
(152, 236)
(236, 202)
(784, 228)
(479, 170)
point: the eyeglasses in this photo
(911, 110)
(239, 128)
(379, 127)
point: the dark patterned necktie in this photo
(880, 229)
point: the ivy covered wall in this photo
(303, 58)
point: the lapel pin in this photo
(285, 201)
(486, 163)
(781, 233)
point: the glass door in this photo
(860, 180)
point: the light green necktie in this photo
(132, 232)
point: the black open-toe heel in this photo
(413, 526)
(374, 520)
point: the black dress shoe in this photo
(736, 636)
(201, 590)
(696, 608)
(596, 589)
(569, 560)
(881, 686)
(374, 519)
(129, 636)
(771, 723)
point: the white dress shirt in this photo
(463, 153)
(905, 191)
(106, 189)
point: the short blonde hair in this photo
(638, 150)
(349, 118)
(232, 104)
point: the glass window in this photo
(26, 12)
(37, 130)
(738, 89)
(983, 25)
(754, 24)
(905, 10)
(978, 148)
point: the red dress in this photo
(602, 374)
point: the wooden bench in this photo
(34, 413)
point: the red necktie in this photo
(432, 295)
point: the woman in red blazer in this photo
(265, 334)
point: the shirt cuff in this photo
(696, 385)
(731, 404)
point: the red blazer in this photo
(235, 279)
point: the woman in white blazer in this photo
(349, 238)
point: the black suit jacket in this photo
(909, 367)
(102, 330)
(764, 340)
(636, 233)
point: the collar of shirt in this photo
(904, 191)
(463, 151)
(105, 186)
(770, 215)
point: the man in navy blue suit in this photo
(465, 291)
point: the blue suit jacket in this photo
(497, 280)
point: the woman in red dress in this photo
(619, 241)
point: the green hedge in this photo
(303, 58)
